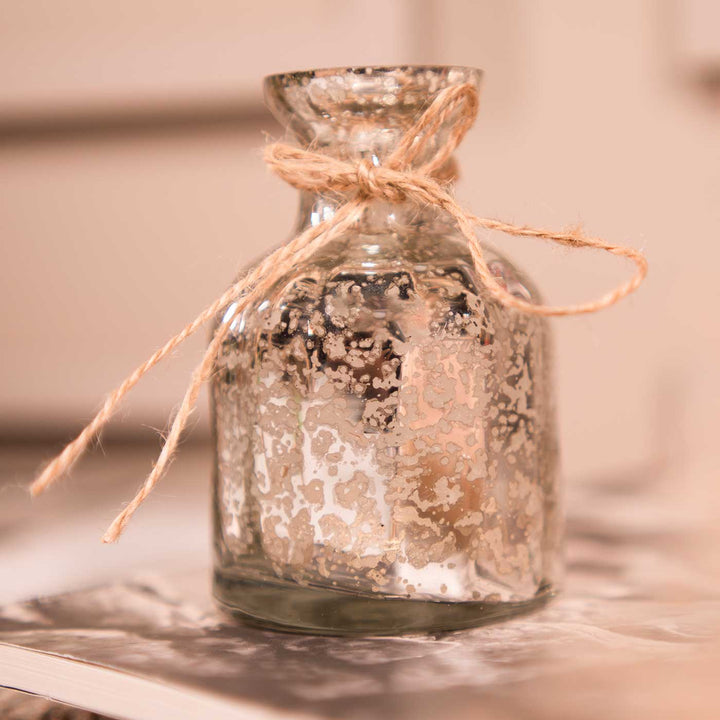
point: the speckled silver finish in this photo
(383, 427)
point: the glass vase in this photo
(385, 450)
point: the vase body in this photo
(384, 432)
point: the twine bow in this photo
(401, 178)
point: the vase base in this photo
(319, 611)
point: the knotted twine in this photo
(398, 180)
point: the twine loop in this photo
(416, 171)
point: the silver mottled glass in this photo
(385, 442)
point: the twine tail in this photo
(575, 239)
(72, 452)
(200, 374)
(249, 286)
(305, 244)
(426, 190)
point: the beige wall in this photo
(119, 224)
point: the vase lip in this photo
(473, 74)
(325, 101)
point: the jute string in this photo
(399, 179)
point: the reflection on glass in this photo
(385, 449)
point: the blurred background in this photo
(132, 188)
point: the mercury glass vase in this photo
(385, 451)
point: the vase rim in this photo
(344, 101)
(473, 74)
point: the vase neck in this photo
(356, 113)
(379, 217)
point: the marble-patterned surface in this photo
(632, 635)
